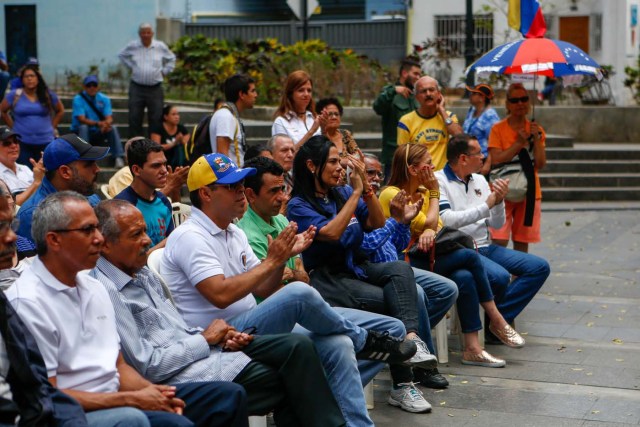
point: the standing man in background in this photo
(149, 61)
(395, 101)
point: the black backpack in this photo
(200, 141)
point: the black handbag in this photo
(448, 239)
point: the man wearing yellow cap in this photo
(213, 273)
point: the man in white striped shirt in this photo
(149, 61)
(158, 343)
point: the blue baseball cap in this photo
(215, 168)
(90, 79)
(69, 148)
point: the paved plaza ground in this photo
(581, 364)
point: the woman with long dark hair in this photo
(36, 113)
(339, 270)
(411, 169)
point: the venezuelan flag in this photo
(526, 17)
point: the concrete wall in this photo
(585, 124)
(73, 34)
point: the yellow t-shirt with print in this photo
(432, 132)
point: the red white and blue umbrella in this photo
(540, 56)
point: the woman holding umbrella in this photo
(507, 140)
(480, 119)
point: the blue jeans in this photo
(118, 417)
(465, 268)
(338, 333)
(91, 134)
(531, 271)
(436, 296)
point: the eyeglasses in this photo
(87, 230)
(9, 142)
(238, 187)
(373, 172)
(333, 114)
(522, 99)
(6, 225)
(478, 153)
(91, 85)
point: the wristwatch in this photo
(448, 121)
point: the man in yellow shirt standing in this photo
(431, 124)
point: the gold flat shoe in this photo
(508, 336)
(482, 359)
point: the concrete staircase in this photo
(574, 171)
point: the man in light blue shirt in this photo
(92, 118)
(149, 61)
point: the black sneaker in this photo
(384, 348)
(430, 378)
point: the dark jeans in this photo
(151, 97)
(286, 375)
(390, 288)
(465, 268)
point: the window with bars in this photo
(451, 31)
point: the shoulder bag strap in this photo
(93, 106)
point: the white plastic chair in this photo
(104, 189)
(180, 213)
(153, 262)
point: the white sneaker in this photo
(423, 358)
(408, 398)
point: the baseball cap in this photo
(6, 132)
(69, 148)
(483, 89)
(90, 79)
(215, 168)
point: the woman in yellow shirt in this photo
(411, 169)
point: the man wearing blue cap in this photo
(71, 164)
(92, 119)
(213, 273)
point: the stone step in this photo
(566, 194)
(591, 166)
(548, 180)
(580, 153)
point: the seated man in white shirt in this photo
(72, 320)
(269, 367)
(21, 180)
(469, 204)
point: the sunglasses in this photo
(522, 99)
(92, 85)
(9, 142)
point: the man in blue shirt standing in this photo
(92, 118)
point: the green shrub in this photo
(203, 64)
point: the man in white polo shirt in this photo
(71, 318)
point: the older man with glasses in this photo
(21, 180)
(431, 124)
